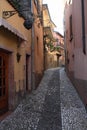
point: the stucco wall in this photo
(13, 44)
(80, 58)
(38, 48)
(78, 74)
(51, 60)
(69, 45)
(10, 42)
(15, 20)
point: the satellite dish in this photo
(28, 24)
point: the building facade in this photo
(59, 44)
(76, 44)
(50, 53)
(21, 50)
(37, 45)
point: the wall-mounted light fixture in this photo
(27, 23)
(18, 56)
(7, 14)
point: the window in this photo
(37, 45)
(83, 26)
(71, 32)
(70, 1)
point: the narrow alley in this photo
(55, 105)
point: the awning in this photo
(6, 25)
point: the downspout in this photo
(83, 27)
(32, 54)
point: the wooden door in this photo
(3, 81)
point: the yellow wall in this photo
(15, 20)
(10, 42)
(38, 48)
(51, 60)
(38, 32)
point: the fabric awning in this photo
(6, 25)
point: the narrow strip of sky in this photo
(56, 13)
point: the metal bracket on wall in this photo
(7, 14)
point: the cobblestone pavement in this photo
(73, 113)
(55, 105)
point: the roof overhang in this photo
(47, 22)
(5, 24)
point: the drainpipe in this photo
(83, 27)
(44, 41)
(32, 54)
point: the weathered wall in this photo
(38, 49)
(11, 43)
(77, 63)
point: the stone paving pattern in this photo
(73, 113)
(51, 114)
(55, 105)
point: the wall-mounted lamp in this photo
(18, 56)
(7, 14)
(27, 23)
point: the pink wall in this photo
(69, 46)
(78, 64)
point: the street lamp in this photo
(27, 23)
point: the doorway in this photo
(3, 82)
(27, 73)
